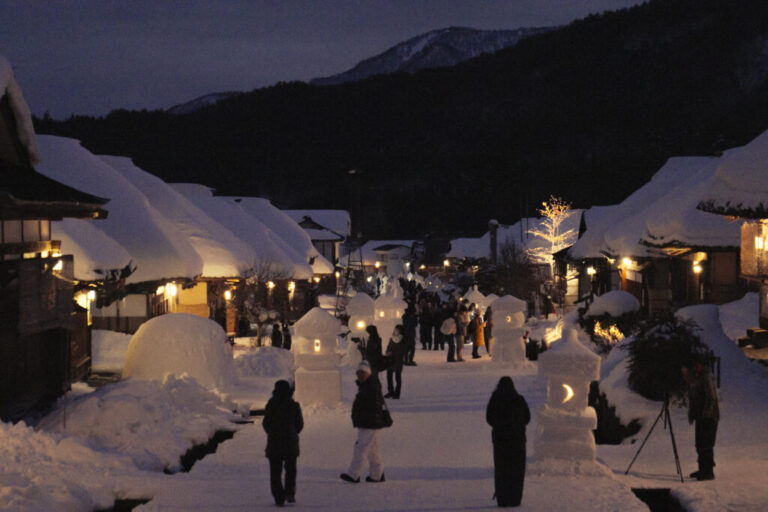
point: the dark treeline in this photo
(587, 112)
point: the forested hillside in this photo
(587, 112)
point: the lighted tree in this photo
(554, 213)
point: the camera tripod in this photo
(664, 413)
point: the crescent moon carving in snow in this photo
(568, 392)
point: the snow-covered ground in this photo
(437, 456)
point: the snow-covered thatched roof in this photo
(156, 247)
(272, 253)
(287, 228)
(740, 187)
(660, 213)
(222, 253)
(10, 89)
(369, 251)
(94, 251)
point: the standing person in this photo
(437, 321)
(372, 352)
(425, 324)
(368, 419)
(478, 328)
(508, 414)
(488, 329)
(448, 328)
(409, 334)
(286, 336)
(282, 423)
(703, 409)
(395, 355)
(462, 323)
(277, 336)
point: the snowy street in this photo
(437, 456)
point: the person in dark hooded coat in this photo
(282, 423)
(508, 414)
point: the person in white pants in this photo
(368, 418)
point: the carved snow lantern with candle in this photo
(508, 330)
(317, 379)
(565, 422)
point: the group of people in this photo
(452, 323)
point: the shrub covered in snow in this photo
(660, 348)
(180, 343)
(610, 318)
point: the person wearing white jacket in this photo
(448, 329)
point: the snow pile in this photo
(108, 350)
(153, 423)
(180, 343)
(94, 251)
(614, 303)
(41, 471)
(269, 362)
(615, 384)
(736, 317)
(24, 127)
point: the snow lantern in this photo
(360, 309)
(388, 313)
(317, 379)
(475, 297)
(565, 422)
(508, 322)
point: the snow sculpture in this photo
(565, 422)
(508, 321)
(388, 311)
(360, 309)
(475, 297)
(317, 379)
(180, 343)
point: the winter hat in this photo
(282, 388)
(364, 367)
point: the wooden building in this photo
(38, 320)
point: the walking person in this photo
(282, 422)
(508, 414)
(703, 409)
(368, 419)
(425, 324)
(409, 334)
(372, 352)
(395, 355)
(448, 329)
(286, 336)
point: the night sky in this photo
(89, 57)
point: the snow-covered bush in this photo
(179, 343)
(661, 347)
(610, 318)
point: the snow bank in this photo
(108, 350)
(614, 303)
(153, 423)
(736, 317)
(43, 471)
(180, 343)
(271, 362)
(94, 251)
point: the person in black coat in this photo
(277, 336)
(372, 351)
(507, 413)
(282, 423)
(286, 336)
(704, 410)
(368, 419)
(409, 334)
(395, 356)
